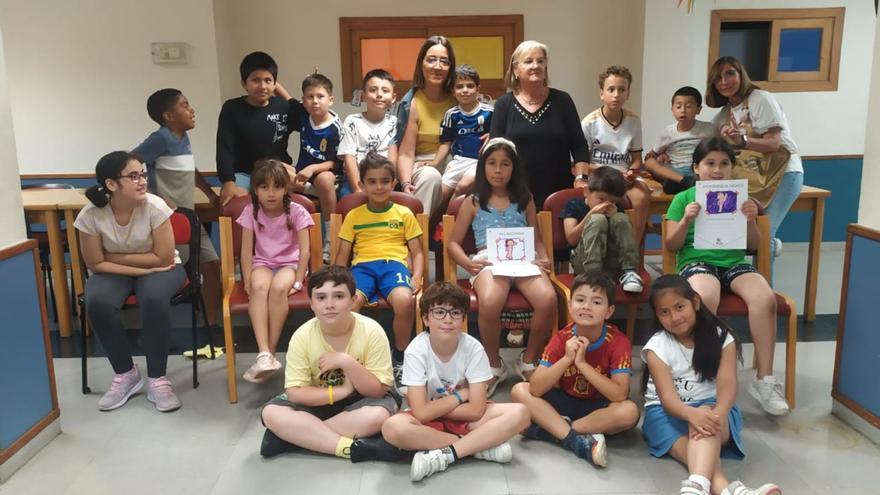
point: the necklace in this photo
(540, 98)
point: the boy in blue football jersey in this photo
(461, 132)
(320, 132)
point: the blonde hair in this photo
(510, 80)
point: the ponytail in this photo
(98, 195)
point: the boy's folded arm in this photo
(573, 229)
(364, 382)
(315, 396)
(425, 410)
(475, 407)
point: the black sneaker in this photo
(272, 445)
(375, 448)
(397, 371)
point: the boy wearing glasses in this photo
(446, 371)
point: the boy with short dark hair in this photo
(252, 127)
(168, 156)
(671, 159)
(614, 135)
(320, 132)
(337, 377)
(461, 132)
(580, 391)
(446, 372)
(383, 235)
(372, 130)
(602, 236)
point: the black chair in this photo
(185, 224)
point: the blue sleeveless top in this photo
(510, 217)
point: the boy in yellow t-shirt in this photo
(337, 378)
(383, 234)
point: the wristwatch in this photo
(745, 141)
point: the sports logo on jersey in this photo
(460, 122)
(394, 224)
(481, 120)
(323, 145)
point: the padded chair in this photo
(553, 207)
(516, 301)
(235, 299)
(732, 305)
(43, 242)
(185, 224)
(354, 200)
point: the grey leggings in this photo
(105, 294)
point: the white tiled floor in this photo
(211, 447)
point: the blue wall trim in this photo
(24, 376)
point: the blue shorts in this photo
(661, 430)
(572, 407)
(243, 180)
(380, 277)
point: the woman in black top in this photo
(543, 123)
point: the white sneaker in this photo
(770, 395)
(631, 282)
(515, 338)
(326, 253)
(500, 375)
(600, 450)
(777, 247)
(501, 453)
(689, 487)
(265, 366)
(737, 488)
(426, 463)
(523, 369)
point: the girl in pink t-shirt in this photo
(274, 258)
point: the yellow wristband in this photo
(330, 394)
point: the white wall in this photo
(584, 37)
(823, 123)
(80, 73)
(13, 230)
(869, 201)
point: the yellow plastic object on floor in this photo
(204, 352)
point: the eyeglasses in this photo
(440, 313)
(433, 60)
(134, 176)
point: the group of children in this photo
(343, 377)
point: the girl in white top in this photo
(742, 103)
(128, 246)
(690, 392)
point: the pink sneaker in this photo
(122, 387)
(265, 366)
(159, 392)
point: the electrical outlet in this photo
(169, 53)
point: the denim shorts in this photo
(661, 430)
(724, 275)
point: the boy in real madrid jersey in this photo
(583, 376)
(383, 235)
(319, 134)
(461, 133)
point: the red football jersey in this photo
(610, 354)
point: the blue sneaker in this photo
(590, 447)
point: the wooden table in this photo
(47, 206)
(810, 199)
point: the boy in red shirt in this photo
(580, 390)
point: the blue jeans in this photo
(786, 193)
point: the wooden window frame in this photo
(829, 19)
(353, 29)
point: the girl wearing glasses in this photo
(128, 246)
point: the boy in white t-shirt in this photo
(373, 130)
(671, 159)
(446, 372)
(614, 135)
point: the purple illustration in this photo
(720, 202)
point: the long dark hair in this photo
(709, 145)
(108, 168)
(418, 80)
(517, 187)
(709, 331)
(270, 172)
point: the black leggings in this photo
(105, 294)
